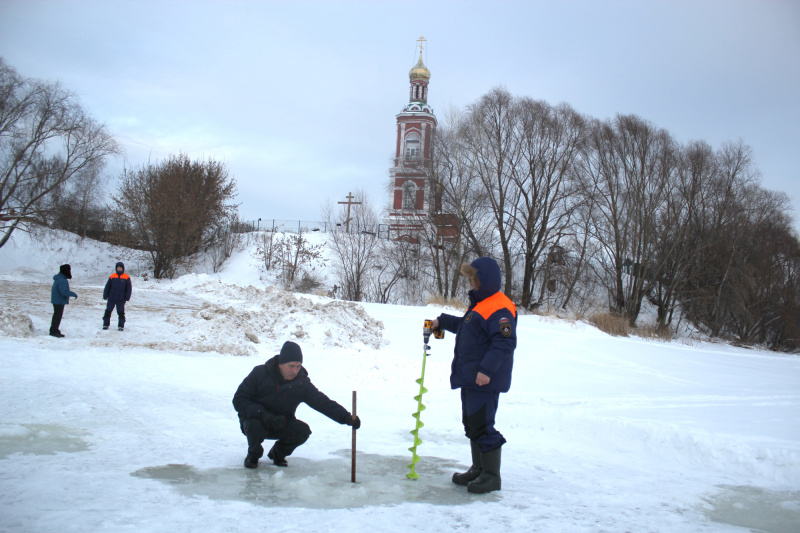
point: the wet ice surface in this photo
(39, 439)
(755, 508)
(320, 484)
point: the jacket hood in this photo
(119, 264)
(66, 270)
(489, 276)
(59, 276)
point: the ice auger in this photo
(427, 329)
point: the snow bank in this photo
(15, 323)
(250, 314)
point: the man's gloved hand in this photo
(272, 422)
(354, 421)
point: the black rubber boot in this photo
(276, 459)
(463, 478)
(489, 480)
(251, 461)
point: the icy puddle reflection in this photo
(752, 507)
(380, 480)
(39, 439)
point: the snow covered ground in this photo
(134, 431)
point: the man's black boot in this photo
(277, 461)
(463, 478)
(251, 461)
(489, 480)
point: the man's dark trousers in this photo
(478, 410)
(120, 313)
(58, 313)
(295, 433)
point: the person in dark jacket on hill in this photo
(59, 297)
(266, 402)
(486, 337)
(118, 291)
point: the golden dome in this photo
(419, 72)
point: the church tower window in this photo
(409, 195)
(412, 144)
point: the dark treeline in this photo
(618, 211)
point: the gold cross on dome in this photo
(420, 41)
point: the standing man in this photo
(118, 291)
(486, 337)
(267, 400)
(59, 297)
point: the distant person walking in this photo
(118, 291)
(59, 297)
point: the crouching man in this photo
(267, 400)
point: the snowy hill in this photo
(135, 431)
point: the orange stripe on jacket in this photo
(493, 303)
(123, 276)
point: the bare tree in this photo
(174, 206)
(493, 154)
(626, 172)
(295, 255)
(46, 138)
(354, 251)
(550, 140)
(224, 240)
(460, 199)
(77, 205)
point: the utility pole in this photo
(349, 202)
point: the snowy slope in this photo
(135, 431)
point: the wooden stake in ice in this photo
(353, 447)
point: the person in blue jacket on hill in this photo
(59, 297)
(486, 337)
(118, 291)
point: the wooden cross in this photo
(349, 202)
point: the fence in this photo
(303, 226)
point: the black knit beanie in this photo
(66, 270)
(290, 352)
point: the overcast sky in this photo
(299, 98)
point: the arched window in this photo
(412, 144)
(409, 195)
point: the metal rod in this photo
(353, 451)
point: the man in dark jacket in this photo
(486, 337)
(59, 297)
(267, 400)
(118, 291)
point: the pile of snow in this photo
(15, 323)
(243, 315)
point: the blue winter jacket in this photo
(486, 335)
(60, 293)
(118, 287)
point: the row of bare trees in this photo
(615, 211)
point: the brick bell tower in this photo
(410, 172)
